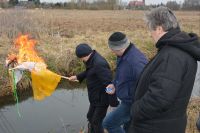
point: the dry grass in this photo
(59, 31)
(193, 113)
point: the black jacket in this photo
(165, 86)
(98, 75)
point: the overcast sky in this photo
(148, 2)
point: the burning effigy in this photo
(25, 58)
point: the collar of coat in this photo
(123, 57)
(88, 63)
(161, 43)
(127, 50)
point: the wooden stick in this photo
(68, 78)
(65, 77)
(60, 75)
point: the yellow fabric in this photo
(44, 83)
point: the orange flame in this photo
(27, 51)
(44, 82)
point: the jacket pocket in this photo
(123, 91)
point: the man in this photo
(98, 75)
(165, 86)
(130, 62)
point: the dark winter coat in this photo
(98, 75)
(165, 86)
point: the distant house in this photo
(22, 0)
(136, 3)
(3, 1)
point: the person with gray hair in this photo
(165, 85)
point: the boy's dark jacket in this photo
(98, 75)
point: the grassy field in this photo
(59, 31)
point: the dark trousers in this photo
(95, 117)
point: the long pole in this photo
(68, 78)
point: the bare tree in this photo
(173, 5)
(191, 5)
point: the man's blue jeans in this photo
(114, 121)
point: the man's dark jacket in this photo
(128, 70)
(98, 75)
(165, 86)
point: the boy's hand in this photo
(72, 78)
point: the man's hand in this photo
(112, 87)
(73, 78)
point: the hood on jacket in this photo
(184, 41)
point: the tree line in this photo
(98, 5)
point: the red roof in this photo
(136, 3)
